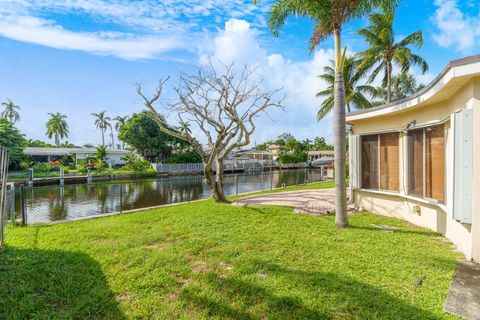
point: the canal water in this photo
(53, 203)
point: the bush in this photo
(185, 157)
(136, 163)
(293, 158)
(41, 167)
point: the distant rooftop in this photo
(40, 151)
(318, 152)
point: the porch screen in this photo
(426, 162)
(389, 158)
(415, 162)
(380, 161)
(435, 163)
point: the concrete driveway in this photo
(315, 202)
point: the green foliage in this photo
(13, 140)
(293, 158)
(136, 163)
(213, 261)
(293, 150)
(403, 85)
(39, 144)
(142, 133)
(101, 153)
(356, 95)
(102, 122)
(386, 51)
(41, 167)
(10, 111)
(57, 127)
(188, 156)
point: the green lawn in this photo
(206, 260)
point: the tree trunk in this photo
(341, 218)
(113, 140)
(103, 138)
(215, 181)
(389, 82)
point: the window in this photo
(380, 161)
(426, 162)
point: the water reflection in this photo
(53, 203)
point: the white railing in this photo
(178, 167)
(228, 165)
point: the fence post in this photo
(30, 176)
(23, 205)
(121, 197)
(236, 183)
(62, 176)
(271, 181)
(296, 179)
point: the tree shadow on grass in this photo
(310, 295)
(51, 284)
(403, 230)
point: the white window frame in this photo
(424, 164)
(378, 161)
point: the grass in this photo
(204, 260)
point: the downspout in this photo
(350, 192)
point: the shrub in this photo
(293, 158)
(41, 167)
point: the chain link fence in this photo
(45, 204)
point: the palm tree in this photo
(11, 111)
(119, 122)
(102, 122)
(57, 127)
(403, 85)
(354, 94)
(184, 128)
(385, 53)
(329, 18)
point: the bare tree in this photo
(223, 106)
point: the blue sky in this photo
(79, 56)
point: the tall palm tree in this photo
(102, 122)
(403, 85)
(385, 53)
(119, 122)
(354, 94)
(57, 127)
(329, 17)
(184, 128)
(10, 111)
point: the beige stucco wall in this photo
(436, 217)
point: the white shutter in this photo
(354, 161)
(463, 166)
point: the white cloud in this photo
(127, 29)
(43, 32)
(238, 43)
(457, 29)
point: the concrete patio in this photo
(314, 202)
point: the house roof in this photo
(94, 150)
(319, 152)
(253, 151)
(38, 151)
(453, 76)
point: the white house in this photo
(113, 157)
(418, 159)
